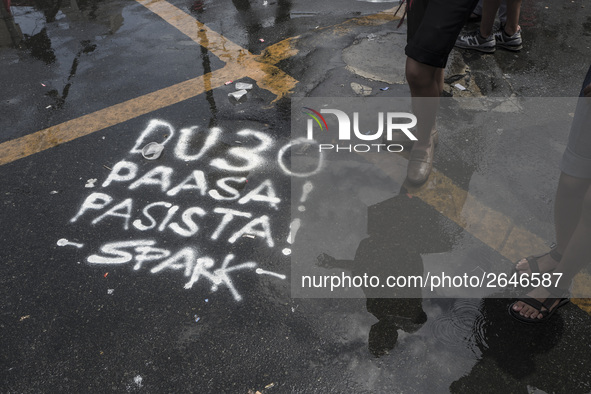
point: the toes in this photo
(526, 311)
(522, 265)
(518, 306)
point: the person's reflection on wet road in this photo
(400, 230)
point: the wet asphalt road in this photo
(122, 274)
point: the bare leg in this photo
(570, 198)
(567, 211)
(489, 12)
(426, 85)
(577, 253)
(513, 10)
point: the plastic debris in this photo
(24, 317)
(152, 151)
(110, 291)
(265, 2)
(53, 192)
(361, 89)
(243, 86)
(207, 300)
(228, 82)
(108, 168)
(261, 39)
(106, 274)
(371, 37)
(269, 385)
(197, 318)
(460, 87)
(237, 95)
(42, 84)
(49, 106)
(90, 182)
(386, 88)
(138, 380)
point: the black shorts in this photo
(433, 27)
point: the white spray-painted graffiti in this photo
(188, 197)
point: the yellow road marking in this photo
(239, 64)
(267, 76)
(55, 135)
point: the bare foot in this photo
(546, 263)
(528, 311)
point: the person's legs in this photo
(567, 211)
(489, 13)
(573, 208)
(576, 256)
(513, 9)
(570, 198)
(426, 85)
(433, 26)
(578, 251)
(486, 39)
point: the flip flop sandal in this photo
(561, 296)
(532, 261)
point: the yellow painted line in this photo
(55, 135)
(239, 64)
(267, 75)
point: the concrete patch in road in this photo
(378, 58)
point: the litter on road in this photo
(152, 151)
(243, 86)
(237, 95)
(460, 87)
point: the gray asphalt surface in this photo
(122, 274)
